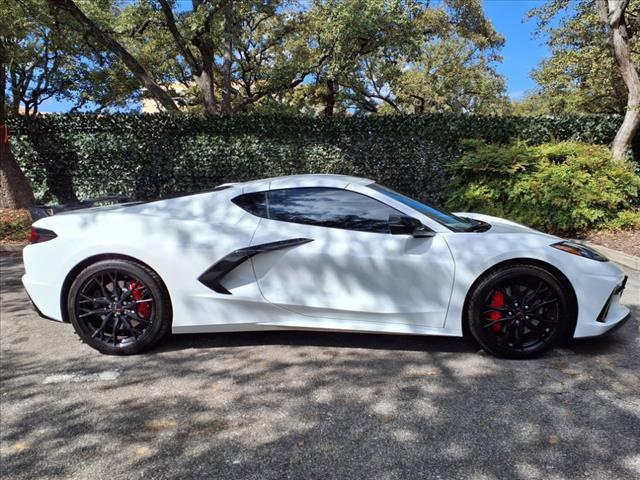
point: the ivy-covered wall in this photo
(147, 156)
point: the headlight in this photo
(579, 249)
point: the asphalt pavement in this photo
(312, 405)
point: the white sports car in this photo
(317, 252)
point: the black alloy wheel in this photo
(519, 312)
(119, 307)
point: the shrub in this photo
(15, 225)
(625, 220)
(565, 187)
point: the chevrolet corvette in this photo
(314, 252)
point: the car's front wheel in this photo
(119, 307)
(519, 311)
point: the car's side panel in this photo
(357, 278)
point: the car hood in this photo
(501, 225)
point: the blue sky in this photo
(521, 52)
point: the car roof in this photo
(307, 180)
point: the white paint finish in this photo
(475, 253)
(178, 249)
(343, 280)
(349, 275)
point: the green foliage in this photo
(403, 56)
(354, 55)
(15, 225)
(564, 187)
(146, 156)
(447, 76)
(625, 220)
(581, 74)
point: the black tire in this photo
(119, 326)
(519, 311)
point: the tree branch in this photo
(111, 44)
(183, 48)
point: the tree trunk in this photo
(205, 78)
(228, 58)
(612, 14)
(206, 84)
(15, 189)
(626, 134)
(202, 71)
(330, 98)
(114, 46)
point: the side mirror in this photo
(403, 225)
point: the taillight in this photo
(39, 235)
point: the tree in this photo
(15, 189)
(230, 56)
(393, 55)
(248, 37)
(342, 34)
(270, 56)
(227, 54)
(613, 13)
(447, 76)
(111, 44)
(593, 62)
(35, 56)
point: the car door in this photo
(346, 265)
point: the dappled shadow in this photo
(313, 405)
(319, 339)
(355, 281)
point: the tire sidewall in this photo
(158, 326)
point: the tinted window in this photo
(254, 203)
(447, 219)
(330, 207)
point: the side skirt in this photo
(390, 329)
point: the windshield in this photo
(447, 219)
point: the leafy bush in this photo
(15, 225)
(625, 220)
(565, 187)
(146, 156)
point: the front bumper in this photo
(611, 317)
(618, 325)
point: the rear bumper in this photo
(37, 310)
(43, 298)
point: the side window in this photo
(329, 207)
(254, 203)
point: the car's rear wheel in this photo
(119, 307)
(519, 311)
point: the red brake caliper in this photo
(143, 309)
(496, 302)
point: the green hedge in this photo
(146, 156)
